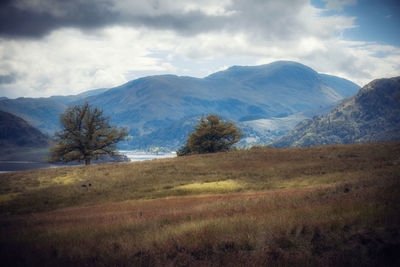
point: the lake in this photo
(7, 166)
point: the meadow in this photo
(315, 206)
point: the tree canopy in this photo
(86, 134)
(211, 135)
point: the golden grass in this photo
(319, 206)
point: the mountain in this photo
(16, 132)
(370, 116)
(161, 110)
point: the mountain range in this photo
(265, 101)
(372, 115)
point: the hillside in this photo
(370, 116)
(154, 108)
(21, 145)
(16, 132)
(317, 206)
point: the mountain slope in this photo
(341, 85)
(42, 113)
(371, 115)
(73, 98)
(15, 131)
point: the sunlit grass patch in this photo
(68, 178)
(211, 187)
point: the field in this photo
(318, 206)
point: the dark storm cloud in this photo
(17, 22)
(37, 18)
(30, 22)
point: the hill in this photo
(16, 132)
(21, 145)
(370, 116)
(154, 108)
(315, 206)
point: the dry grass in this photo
(333, 206)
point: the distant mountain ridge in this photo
(161, 110)
(372, 115)
(43, 113)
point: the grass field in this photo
(317, 206)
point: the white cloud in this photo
(69, 61)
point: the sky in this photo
(58, 47)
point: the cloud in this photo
(36, 18)
(272, 19)
(69, 61)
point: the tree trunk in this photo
(87, 161)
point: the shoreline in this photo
(25, 165)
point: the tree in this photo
(211, 135)
(86, 134)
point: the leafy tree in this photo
(86, 134)
(211, 135)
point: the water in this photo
(141, 156)
(9, 166)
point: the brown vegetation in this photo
(333, 206)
